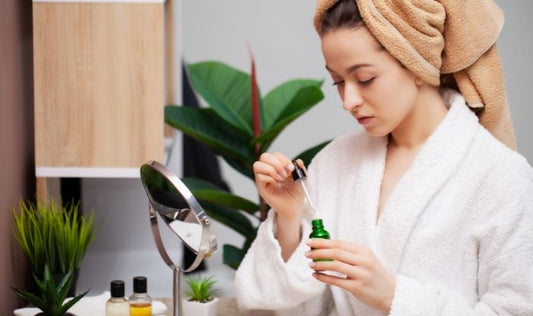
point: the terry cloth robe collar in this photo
(441, 154)
(434, 164)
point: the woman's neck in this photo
(424, 118)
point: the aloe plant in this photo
(201, 288)
(239, 124)
(51, 297)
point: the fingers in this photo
(319, 243)
(343, 256)
(347, 269)
(300, 163)
(273, 167)
(338, 260)
(346, 283)
(354, 268)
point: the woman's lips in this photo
(363, 120)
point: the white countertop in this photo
(91, 306)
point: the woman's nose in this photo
(352, 98)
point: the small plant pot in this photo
(192, 308)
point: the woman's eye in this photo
(336, 83)
(367, 82)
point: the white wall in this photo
(285, 46)
(516, 45)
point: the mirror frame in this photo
(208, 243)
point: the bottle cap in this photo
(298, 174)
(139, 284)
(117, 288)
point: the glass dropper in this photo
(298, 175)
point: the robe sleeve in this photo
(505, 269)
(265, 281)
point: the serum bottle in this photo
(117, 305)
(319, 232)
(140, 301)
(298, 175)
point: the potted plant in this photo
(51, 298)
(55, 236)
(201, 296)
(239, 124)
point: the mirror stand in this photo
(177, 271)
(176, 292)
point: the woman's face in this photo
(373, 86)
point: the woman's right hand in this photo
(276, 185)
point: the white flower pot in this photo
(200, 309)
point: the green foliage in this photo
(201, 289)
(53, 235)
(230, 128)
(51, 298)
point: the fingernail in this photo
(284, 173)
(312, 264)
(307, 253)
(280, 177)
(290, 167)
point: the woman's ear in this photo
(419, 81)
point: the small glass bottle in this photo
(117, 305)
(319, 232)
(318, 229)
(140, 301)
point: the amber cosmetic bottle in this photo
(140, 301)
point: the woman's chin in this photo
(376, 133)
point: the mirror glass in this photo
(178, 208)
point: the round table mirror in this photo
(171, 200)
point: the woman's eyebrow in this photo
(351, 68)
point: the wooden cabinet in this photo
(99, 87)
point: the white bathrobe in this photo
(457, 230)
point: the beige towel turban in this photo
(439, 37)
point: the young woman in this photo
(429, 213)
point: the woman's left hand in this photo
(364, 276)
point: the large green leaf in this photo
(308, 154)
(244, 167)
(304, 99)
(205, 126)
(198, 184)
(226, 199)
(234, 219)
(232, 256)
(279, 98)
(206, 191)
(226, 90)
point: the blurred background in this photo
(285, 46)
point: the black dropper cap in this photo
(298, 174)
(139, 284)
(117, 288)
